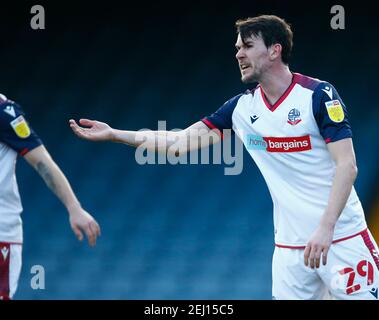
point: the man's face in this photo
(253, 58)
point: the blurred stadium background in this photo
(168, 232)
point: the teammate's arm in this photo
(80, 220)
(342, 152)
(194, 137)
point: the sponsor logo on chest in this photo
(278, 144)
(290, 137)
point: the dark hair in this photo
(272, 29)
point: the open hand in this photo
(92, 130)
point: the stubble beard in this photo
(254, 77)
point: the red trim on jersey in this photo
(12, 243)
(24, 152)
(327, 140)
(349, 237)
(282, 98)
(289, 247)
(306, 81)
(335, 241)
(293, 123)
(213, 127)
(370, 246)
(4, 271)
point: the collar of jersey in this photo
(283, 96)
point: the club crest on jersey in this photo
(293, 117)
(335, 111)
(21, 127)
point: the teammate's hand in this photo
(318, 245)
(95, 131)
(81, 221)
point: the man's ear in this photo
(275, 51)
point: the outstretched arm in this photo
(80, 220)
(194, 137)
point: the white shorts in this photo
(10, 268)
(351, 272)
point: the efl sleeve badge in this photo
(335, 111)
(21, 127)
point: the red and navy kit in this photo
(9, 112)
(288, 141)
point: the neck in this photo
(276, 82)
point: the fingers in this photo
(312, 255)
(77, 129)
(318, 257)
(91, 235)
(307, 251)
(99, 229)
(325, 256)
(86, 122)
(89, 227)
(92, 231)
(74, 126)
(95, 228)
(78, 233)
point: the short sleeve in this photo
(222, 118)
(15, 131)
(330, 113)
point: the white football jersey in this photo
(288, 142)
(16, 137)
